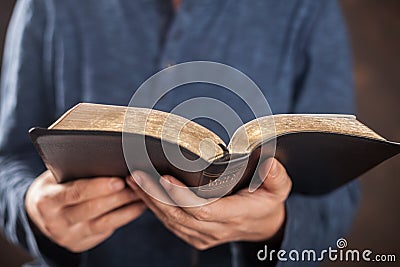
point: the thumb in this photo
(275, 178)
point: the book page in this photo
(253, 133)
(162, 125)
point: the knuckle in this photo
(201, 246)
(98, 226)
(75, 249)
(72, 194)
(93, 227)
(202, 213)
(169, 222)
(63, 241)
(173, 215)
(223, 235)
(42, 204)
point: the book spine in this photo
(221, 179)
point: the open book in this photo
(319, 151)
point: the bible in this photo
(320, 152)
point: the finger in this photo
(276, 181)
(163, 211)
(96, 207)
(114, 219)
(194, 205)
(174, 217)
(172, 192)
(181, 194)
(86, 189)
(175, 221)
(47, 177)
(209, 210)
(149, 185)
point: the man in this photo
(59, 53)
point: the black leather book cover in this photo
(317, 163)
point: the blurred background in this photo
(374, 28)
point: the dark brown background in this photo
(374, 27)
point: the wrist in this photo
(274, 225)
(278, 222)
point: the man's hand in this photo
(243, 216)
(81, 214)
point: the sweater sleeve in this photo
(324, 84)
(26, 101)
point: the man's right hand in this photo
(81, 214)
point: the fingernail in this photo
(117, 184)
(165, 183)
(137, 177)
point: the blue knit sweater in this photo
(59, 53)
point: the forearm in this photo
(26, 100)
(15, 180)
